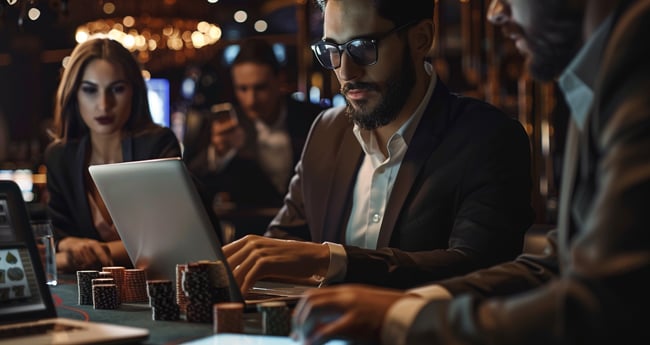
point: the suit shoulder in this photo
(333, 117)
(477, 111)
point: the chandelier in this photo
(171, 40)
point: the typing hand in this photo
(82, 253)
(255, 257)
(352, 312)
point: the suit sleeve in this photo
(602, 295)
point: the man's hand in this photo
(226, 136)
(75, 253)
(255, 257)
(353, 312)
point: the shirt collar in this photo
(578, 79)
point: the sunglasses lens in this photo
(327, 54)
(363, 51)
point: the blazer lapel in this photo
(342, 183)
(425, 139)
(569, 170)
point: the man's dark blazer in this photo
(68, 205)
(592, 287)
(461, 198)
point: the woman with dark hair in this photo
(101, 116)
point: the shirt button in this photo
(376, 217)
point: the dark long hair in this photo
(68, 124)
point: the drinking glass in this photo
(44, 236)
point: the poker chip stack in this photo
(204, 283)
(117, 273)
(85, 287)
(228, 317)
(105, 296)
(105, 281)
(135, 286)
(276, 319)
(196, 286)
(162, 301)
(181, 299)
(218, 280)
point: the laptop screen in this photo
(19, 292)
(7, 232)
(23, 292)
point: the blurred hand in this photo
(255, 257)
(351, 312)
(75, 253)
(227, 136)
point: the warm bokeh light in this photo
(148, 34)
(108, 8)
(240, 16)
(261, 26)
(33, 13)
(128, 21)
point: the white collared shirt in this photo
(275, 151)
(578, 79)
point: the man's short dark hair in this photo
(258, 51)
(398, 12)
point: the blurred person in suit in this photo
(591, 284)
(229, 179)
(101, 116)
(269, 135)
(408, 182)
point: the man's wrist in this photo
(399, 318)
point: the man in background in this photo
(591, 286)
(253, 146)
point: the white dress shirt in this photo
(275, 151)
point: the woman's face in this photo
(104, 98)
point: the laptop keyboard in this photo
(38, 329)
(259, 296)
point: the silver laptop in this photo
(27, 314)
(163, 222)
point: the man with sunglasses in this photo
(417, 184)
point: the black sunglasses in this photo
(363, 51)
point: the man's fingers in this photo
(235, 246)
(102, 254)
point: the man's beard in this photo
(554, 40)
(397, 90)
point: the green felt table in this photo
(137, 315)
